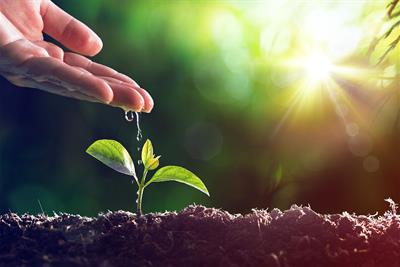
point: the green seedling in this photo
(115, 156)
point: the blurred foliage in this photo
(392, 14)
(229, 106)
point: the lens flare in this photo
(318, 68)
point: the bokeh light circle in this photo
(371, 164)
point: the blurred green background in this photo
(227, 107)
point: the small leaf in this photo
(147, 153)
(178, 174)
(153, 163)
(114, 155)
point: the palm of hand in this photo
(29, 61)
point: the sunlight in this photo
(318, 67)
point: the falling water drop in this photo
(139, 162)
(129, 115)
(139, 135)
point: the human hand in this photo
(29, 61)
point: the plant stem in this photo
(139, 200)
(140, 193)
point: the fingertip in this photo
(135, 103)
(127, 98)
(91, 45)
(149, 102)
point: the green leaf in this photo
(178, 174)
(147, 153)
(153, 163)
(149, 161)
(114, 155)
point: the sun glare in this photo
(317, 67)
(318, 64)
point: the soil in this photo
(199, 236)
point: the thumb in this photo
(69, 31)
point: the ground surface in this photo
(199, 236)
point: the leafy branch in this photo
(391, 7)
(392, 14)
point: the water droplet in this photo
(139, 135)
(129, 115)
(139, 162)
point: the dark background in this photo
(219, 99)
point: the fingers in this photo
(55, 89)
(127, 98)
(48, 69)
(69, 31)
(126, 89)
(48, 86)
(148, 100)
(81, 84)
(118, 82)
(52, 49)
(17, 52)
(74, 59)
(42, 64)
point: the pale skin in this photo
(27, 60)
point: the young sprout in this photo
(115, 156)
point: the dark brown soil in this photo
(199, 236)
